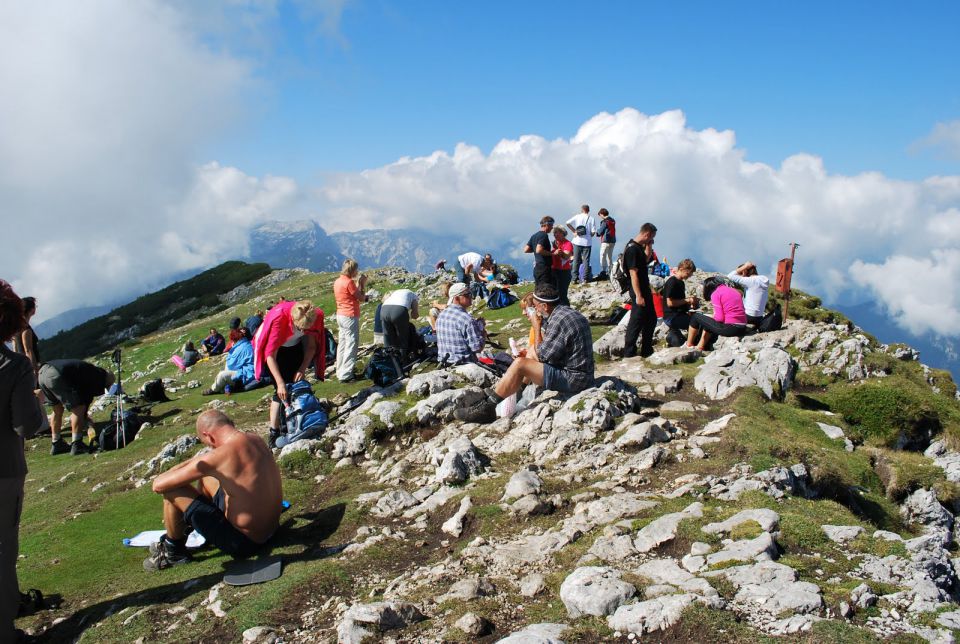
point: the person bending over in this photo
(728, 319)
(459, 337)
(291, 338)
(399, 307)
(71, 385)
(757, 289)
(230, 494)
(562, 362)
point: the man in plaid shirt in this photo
(458, 335)
(562, 362)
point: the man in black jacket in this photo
(643, 317)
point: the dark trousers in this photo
(543, 274)
(11, 504)
(708, 324)
(398, 332)
(642, 323)
(561, 276)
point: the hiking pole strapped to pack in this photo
(118, 422)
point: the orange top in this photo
(345, 293)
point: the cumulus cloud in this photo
(920, 292)
(944, 138)
(708, 201)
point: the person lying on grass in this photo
(230, 494)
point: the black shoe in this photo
(630, 353)
(59, 447)
(483, 411)
(272, 438)
(77, 448)
(351, 378)
(164, 554)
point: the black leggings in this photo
(708, 324)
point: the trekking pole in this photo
(118, 422)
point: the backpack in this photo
(619, 275)
(331, 346)
(772, 321)
(303, 416)
(153, 391)
(500, 298)
(611, 228)
(384, 367)
(111, 439)
(508, 275)
(581, 231)
(675, 338)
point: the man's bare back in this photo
(250, 480)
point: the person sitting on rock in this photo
(239, 366)
(438, 305)
(729, 319)
(676, 304)
(459, 337)
(757, 289)
(71, 385)
(214, 344)
(562, 362)
(230, 494)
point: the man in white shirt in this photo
(582, 228)
(468, 266)
(757, 289)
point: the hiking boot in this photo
(272, 438)
(77, 447)
(208, 392)
(59, 447)
(483, 411)
(164, 554)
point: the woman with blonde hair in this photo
(348, 291)
(291, 337)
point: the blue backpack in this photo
(303, 415)
(384, 367)
(499, 298)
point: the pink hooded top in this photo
(728, 305)
(276, 329)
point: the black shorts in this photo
(289, 360)
(206, 517)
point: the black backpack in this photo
(772, 321)
(500, 297)
(384, 367)
(331, 345)
(111, 439)
(153, 391)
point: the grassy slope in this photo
(71, 535)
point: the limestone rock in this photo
(842, 533)
(475, 375)
(651, 615)
(536, 634)
(768, 520)
(460, 460)
(366, 620)
(772, 587)
(727, 370)
(674, 355)
(431, 382)
(473, 624)
(454, 525)
(760, 548)
(532, 585)
(522, 483)
(393, 503)
(593, 590)
(664, 529)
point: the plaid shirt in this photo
(458, 335)
(568, 346)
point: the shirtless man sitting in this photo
(235, 504)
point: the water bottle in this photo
(228, 390)
(513, 348)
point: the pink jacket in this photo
(728, 306)
(277, 329)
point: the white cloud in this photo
(708, 201)
(944, 137)
(921, 293)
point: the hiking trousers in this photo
(606, 257)
(561, 276)
(581, 255)
(11, 505)
(642, 324)
(543, 274)
(347, 341)
(398, 332)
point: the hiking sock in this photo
(55, 438)
(493, 396)
(179, 546)
(75, 437)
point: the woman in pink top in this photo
(348, 291)
(729, 318)
(291, 337)
(562, 261)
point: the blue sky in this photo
(857, 83)
(148, 137)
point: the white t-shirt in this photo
(757, 290)
(402, 297)
(471, 258)
(295, 338)
(583, 219)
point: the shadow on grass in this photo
(318, 526)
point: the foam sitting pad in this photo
(144, 539)
(252, 571)
(177, 360)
